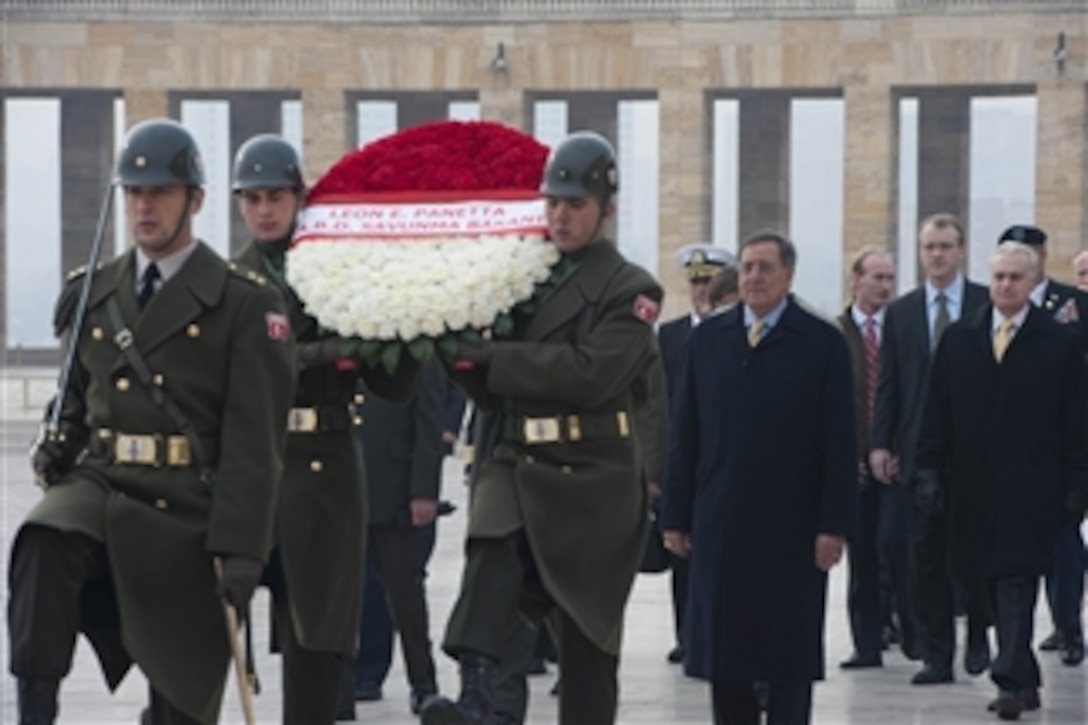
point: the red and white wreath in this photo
(423, 235)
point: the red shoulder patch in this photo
(279, 329)
(646, 309)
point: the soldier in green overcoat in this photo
(316, 569)
(558, 517)
(168, 455)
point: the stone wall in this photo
(868, 61)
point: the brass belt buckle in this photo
(177, 451)
(137, 449)
(574, 428)
(541, 430)
(302, 420)
(622, 426)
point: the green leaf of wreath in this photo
(370, 351)
(391, 356)
(421, 348)
(447, 346)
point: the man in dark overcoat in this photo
(761, 489)
(1065, 582)
(700, 262)
(559, 508)
(315, 572)
(167, 457)
(1004, 448)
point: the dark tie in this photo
(147, 284)
(940, 323)
(872, 367)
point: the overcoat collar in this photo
(791, 321)
(197, 285)
(980, 329)
(585, 287)
(303, 326)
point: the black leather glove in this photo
(477, 353)
(927, 492)
(237, 580)
(320, 352)
(51, 456)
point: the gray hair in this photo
(1010, 248)
(787, 253)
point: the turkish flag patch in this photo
(646, 309)
(279, 329)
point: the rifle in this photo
(53, 427)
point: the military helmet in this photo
(159, 153)
(583, 164)
(266, 161)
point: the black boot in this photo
(1072, 649)
(37, 700)
(476, 704)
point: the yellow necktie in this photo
(1002, 338)
(755, 333)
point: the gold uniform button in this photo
(357, 420)
(157, 379)
(193, 330)
(359, 398)
(161, 505)
(97, 333)
(122, 384)
(317, 466)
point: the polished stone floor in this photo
(652, 691)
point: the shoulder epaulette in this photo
(79, 271)
(69, 297)
(246, 273)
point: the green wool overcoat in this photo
(321, 522)
(214, 340)
(586, 350)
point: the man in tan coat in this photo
(168, 454)
(559, 511)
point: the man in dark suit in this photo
(700, 262)
(762, 477)
(1004, 450)
(913, 324)
(1065, 582)
(881, 531)
(403, 449)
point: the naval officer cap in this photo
(1025, 234)
(701, 260)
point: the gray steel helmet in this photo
(159, 153)
(582, 164)
(267, 161)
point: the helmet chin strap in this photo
(181, 218)
(605, 201)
